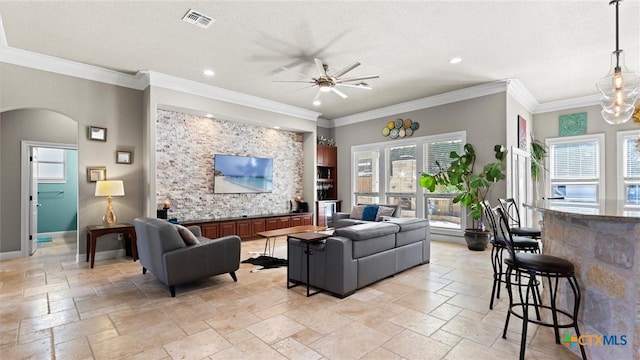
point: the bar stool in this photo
(522, 244)
(513, 214)
(542, 266)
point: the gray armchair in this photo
(162, 251)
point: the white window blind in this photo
(632, 158)
(52, 165)
(575, 160)
(440, 151)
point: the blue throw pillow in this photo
(370, 212)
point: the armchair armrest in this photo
(210, 258)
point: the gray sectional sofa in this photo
(358, 255)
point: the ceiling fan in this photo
(330, 83)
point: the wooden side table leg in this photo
(88, 245)
(134, 245)
(93, 250)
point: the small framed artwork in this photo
(522, 133)
(124, 157)
(96, 173)
(97, 133)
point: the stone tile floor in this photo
(54, 308)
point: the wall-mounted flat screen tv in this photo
(242, 174)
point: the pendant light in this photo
(619, 87)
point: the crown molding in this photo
(560, 105)
(424, 103)
(521, 94)
(213, 92)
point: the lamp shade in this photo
(109, 188)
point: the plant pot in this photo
(477, 240)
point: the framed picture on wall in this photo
(97, 133)
(522, 133)
(96, 173)
(124, 157)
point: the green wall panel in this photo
(59, 202)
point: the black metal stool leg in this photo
(510, 292)
(576, 307)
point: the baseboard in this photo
(448, 238)
(59, 234)
(10, 255)
(102, 255)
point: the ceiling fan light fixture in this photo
(620, 87)
(325, 87)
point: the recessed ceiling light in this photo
(455, 60)
(209, 116)
(209, 72)
(276, 127)
(316, 103)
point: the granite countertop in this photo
(614, 209)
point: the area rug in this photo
(267, 262)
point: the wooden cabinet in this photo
(247, 228)
(211, 231)
(228, 228)
(243, 228)
(327, 173)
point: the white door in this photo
(521, 188)
(33, 200)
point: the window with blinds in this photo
(630, 176)
(367, 170)
(576, 167)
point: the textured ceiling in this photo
(557, 49)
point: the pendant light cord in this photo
(617, 2)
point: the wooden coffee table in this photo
(273, 234)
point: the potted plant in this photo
(472, 187)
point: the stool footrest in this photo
(540, 322)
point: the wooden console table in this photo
(95, 231)
(273, 234)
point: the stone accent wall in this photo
(185, 149)
(604, 251)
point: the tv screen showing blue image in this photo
(242, 174)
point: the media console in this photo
(248, 227)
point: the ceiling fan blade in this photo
(295, 81)
(340, 93)
(357, 86)
(295, 72)
(357, 78)
(320, 67)
(346, 70)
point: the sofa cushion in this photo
(356, 212)
(369, 212)
(407, 224)
(384, 211)
(367, 230)
(188, 237)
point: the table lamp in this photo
(109, 188)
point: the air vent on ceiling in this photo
(197, 18)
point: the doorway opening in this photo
(50, 198)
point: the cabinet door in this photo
(321, 151)
(284, 222)
(272, 224)
(228, 228)
(320, 213)
(296, 221)
(211, 231)
(257, 225)
(243, 228)
(331, 156)
(307, 219)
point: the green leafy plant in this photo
(538, 153)
(472, 187)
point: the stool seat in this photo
(546, 264)
(519, 242)
(526, 231)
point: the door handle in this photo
(38, 204)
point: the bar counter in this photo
(603, 242)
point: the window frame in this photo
(621, 179)
(599, 139)
(420, 199)
(53, 180)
